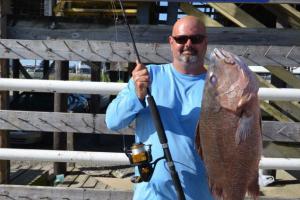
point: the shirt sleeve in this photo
(124, 108)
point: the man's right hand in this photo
(141, 80)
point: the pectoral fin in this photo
(244, 128)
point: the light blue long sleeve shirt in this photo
(178, 98)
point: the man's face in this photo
(188, 43)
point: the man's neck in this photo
(192, 69)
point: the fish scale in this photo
(228, 136)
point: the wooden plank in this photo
(58, 193)
(281, 131)
(79, 181)
(38, 29)
(191, 10)
(275, 113)
(236, 15)
(26, 177)
(70, 178)
(284, 75)
(75, 119)
(54, 121)
(90, 183)
(123, 52)
(55, 193)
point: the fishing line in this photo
(158, 123)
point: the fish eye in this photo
(213, 79)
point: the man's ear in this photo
(170, 40)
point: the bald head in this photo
(189, 25)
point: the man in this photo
(177, 88)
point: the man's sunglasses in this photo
(195, 39)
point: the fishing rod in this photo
(158, 123)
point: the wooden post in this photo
(16, 74)
(95, 99)
(60, 105)
(4, 95)
(172, 11)
(45, 65)
(147, 13)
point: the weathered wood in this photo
(70, 178)
(59, 193)
(281, 131)
(284, 75)
(95, 77)
(79, 181)
(4, 95)
(89, 123)
(38, 29)
(56, 122)
(236, 15)
(60, 105)
(292, 108)
(274, 112)
(123, 52)
(191, 10)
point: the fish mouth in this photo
(221, 54)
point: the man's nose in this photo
(188, 42)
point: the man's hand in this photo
(141, 79)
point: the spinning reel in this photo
(141, 157)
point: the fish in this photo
(229, 134)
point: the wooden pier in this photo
(263, 34)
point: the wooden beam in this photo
(292, 108)
(236, 15)
(284, 75)
(104, 51)
(281, 131)
(274, 112)
(38, 29)
(56, 122)
(191, 10)
(94, 123)
(286, 14)
(4, 95)
(42, 192)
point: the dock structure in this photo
(265, 33)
